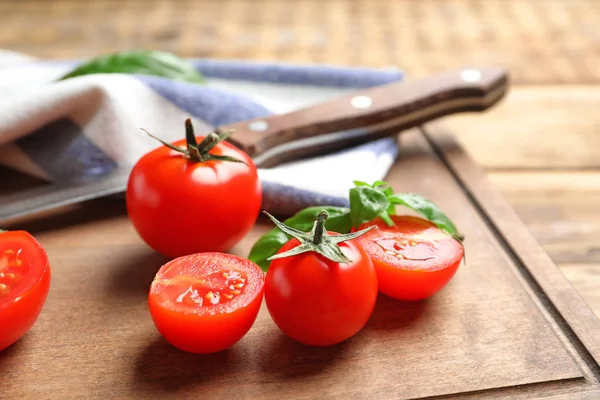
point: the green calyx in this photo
(199, 152)
(317, 240)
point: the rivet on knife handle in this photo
(367, 115)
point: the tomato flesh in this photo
(24, 284)
(204, 303)
(319, 302)
(181, 207)
(414, 259)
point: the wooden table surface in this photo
(541, 147)
(508, 326)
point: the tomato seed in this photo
(8, 253)
(234, 275)
(14, 277)
(236, 292)
(4, 289)
(413, 243)
(238, 285)
(228, 296)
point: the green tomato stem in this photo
(320, 227)
(199, 152)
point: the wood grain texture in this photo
(542, 41)
(560, 208)
(486, 334)
(535, 265)
(537, 127)
(584, 278)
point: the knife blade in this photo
(329, 126)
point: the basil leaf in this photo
(428, 209)
(270, 243)
(266, 246)
(368, 203)
(145, 62)
(361, 183)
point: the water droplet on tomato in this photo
(404, 249)
(190, 296)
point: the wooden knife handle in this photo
(369, 114)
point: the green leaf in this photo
(368, 203)
(145, 62)
(266, 246)
(428, 209)
(270, 243)
(361, 183)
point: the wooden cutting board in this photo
(509, 325)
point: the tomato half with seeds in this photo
(414, 259)
(24, 284)
(204, 303)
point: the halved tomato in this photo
(24, 284)
(204, 303)
(414, 259)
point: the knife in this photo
(340, 123)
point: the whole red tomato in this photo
(24, 284)
(414, 259)
(185, 201)
(204, 303)
(316, 300)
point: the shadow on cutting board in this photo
(134, 276)
(288, 359)
(391, 314)
(163, 367)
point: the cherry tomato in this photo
(414, 259)
(204, 303)
(317, 301)
(180, 206)
(24, 284)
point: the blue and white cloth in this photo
(61, 131)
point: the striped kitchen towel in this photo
(89, 125)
